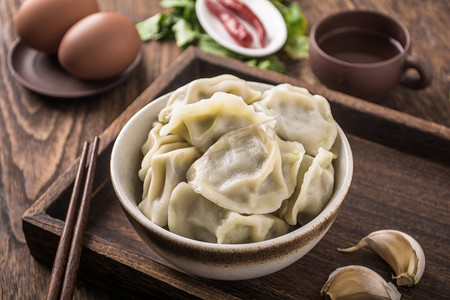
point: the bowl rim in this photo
(133, 210)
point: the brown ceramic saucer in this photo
(41, 73)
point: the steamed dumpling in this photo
(153, 143)
(301, 116)
(226, 164)
(168, 168)
(204, 88)
(314, 188)
(203, 123)
(246, 171)
(238, 229)
(193, 216)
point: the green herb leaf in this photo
(272, 63)
(151, 29)
(208, 44)
(295, 21)
(184, 35)
(297, 47)
(252, 62)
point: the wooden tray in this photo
(401, 181)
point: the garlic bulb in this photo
(358, 282)
(402, 252)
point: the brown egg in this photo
(100, 46)
(41, 24)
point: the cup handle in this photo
(423, 68)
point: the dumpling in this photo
(246, 172)
(193, 216)
(168, 168)
(301, 116)
(203, 123)
(153, 143)
(238, 229)
(225, 163)
(314, 188)
(204, 88)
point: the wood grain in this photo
(41, 137)
(389, 177)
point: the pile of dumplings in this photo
(225, 163)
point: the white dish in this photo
(268, 14)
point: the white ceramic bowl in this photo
(217, 261)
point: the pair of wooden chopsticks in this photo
(67, 260)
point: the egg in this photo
(41, 24)
(99, 46)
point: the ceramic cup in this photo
(365, 54)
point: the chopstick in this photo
(66, 263)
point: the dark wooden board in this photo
(401, 181)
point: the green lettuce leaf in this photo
(208, 44)
(184, 34)
(151, 29)
(272, 63)
(297, 47)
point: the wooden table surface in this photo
(40, 137)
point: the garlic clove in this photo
(402, 252)
(358, 282)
